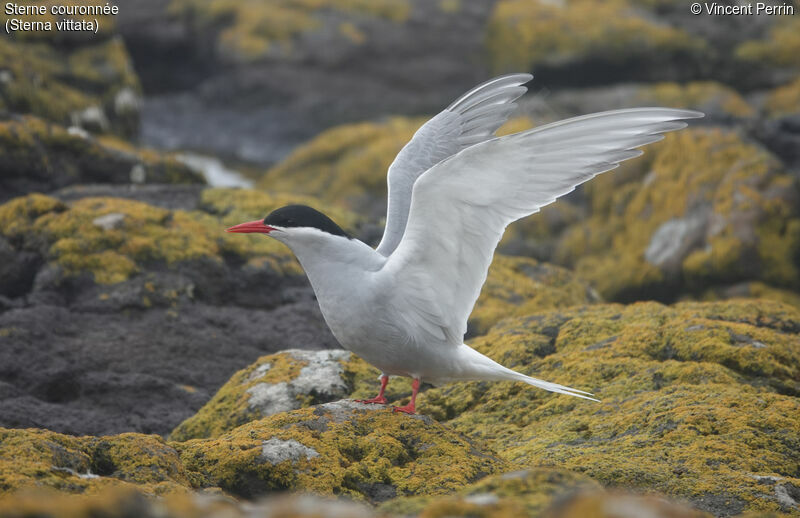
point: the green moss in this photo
(698, 399)
(707, 96)
(43, 459)
(741, 187)
(525, 33)
(346, 164)
(341, 448)
(250, 30)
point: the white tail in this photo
(476, 366)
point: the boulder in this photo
(117, 314)
(698, 400)
(68, 78)
(704, 208)
(345, 448)
(40, 156)
(36, 459)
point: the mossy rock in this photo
(127, 503)
(41, 156)
(113, 239)
(279, 382)
(346, 164)
(89, 83)
(780, 46)
(521, 286)
(526, 34)
(784, 100)
(31, 459)
(249, 31)
(526, 492)
(699, 400)
(342, 448)
(701, 209)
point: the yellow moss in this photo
(356, 448)
(781, 46)
(520, 493)
(755, 290)
(35, 147)
(146, 234)
(17, 215)
(525, 33)
(784, 100)
(694, 167)
(249, 30)
(521, 286)
(700, 95)
(230, 407)
(346, 164)
(515, 125)
(697, 399)
(87, 465)
(55, 81)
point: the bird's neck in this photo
(334, 261)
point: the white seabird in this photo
(453, 189)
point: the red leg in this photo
(410, 408)
(379, 399)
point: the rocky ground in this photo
(145, 353)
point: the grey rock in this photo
(109, 221)
(321, 378)
(275, 451)
(674, 239)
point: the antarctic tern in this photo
(453, 189)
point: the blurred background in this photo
(124, 154)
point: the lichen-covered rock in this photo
(344, 448)
(118, 314)
(703, 208)
(39, 156)
(519, 286)
(524, 35)
(125, 502)
(526, 492)
(33, 458)
(780, 46)
(276, 383)
(784, 100)
(699, 400)
(89, 82)
(112, 239)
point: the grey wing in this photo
(461, 206)
(470, 119)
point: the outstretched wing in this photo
(472, 118)
(461, 206)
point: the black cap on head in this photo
(303, 216)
